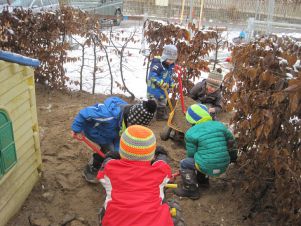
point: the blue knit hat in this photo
(197, 113)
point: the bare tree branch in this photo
(108, 61)
(121, 68)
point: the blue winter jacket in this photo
(158, 75)
(101, 123)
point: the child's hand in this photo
(76, 135)
(232, 150)
(211, 110)
(231, 144)
(164, 85)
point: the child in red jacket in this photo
(134, 185)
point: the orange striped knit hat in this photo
(137, 143)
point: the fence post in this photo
(190, 11)
(182, 11)
(271, 8)
(251, 22)
(201, 14)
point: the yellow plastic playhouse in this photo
(20, 155)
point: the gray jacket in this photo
(198, 93)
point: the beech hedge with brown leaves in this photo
(264, 90)
(193, 45)
(43, 36)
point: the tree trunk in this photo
(121, 73)
(82, 68)
(95, 64)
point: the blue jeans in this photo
(187, 163)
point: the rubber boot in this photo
(91, 169)
(202, 180)
(190, 187)
(161, 114)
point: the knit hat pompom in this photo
(142, 113)
(197, 113)
(137, 143)
(150, 106)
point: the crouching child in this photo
(134, 183)
(207, 149)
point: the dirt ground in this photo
(62, 196)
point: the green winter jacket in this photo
(207, 144)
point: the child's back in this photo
(134, 186)
(207, 144)
(207, 151)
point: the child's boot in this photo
(202, 180)
(91, 169)
(190, 187)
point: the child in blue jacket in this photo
(103, 123)
(160, 77)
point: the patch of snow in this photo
(282, 61)
(134, 70)
(298, 44)
(10, 31)
(294, 119)
(289, 75)
(268, 48)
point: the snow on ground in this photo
(134, 69)
(295, 35)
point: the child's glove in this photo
(232, 149)
(165, 85)
(113, 155)
(160, 151)
(160, 154)
(108, 156)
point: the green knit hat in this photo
(197, 113)
(215, 79)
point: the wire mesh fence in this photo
(269, 16)
(220, 10)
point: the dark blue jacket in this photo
(158, 75)
(101, 123)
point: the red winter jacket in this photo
(135, 193)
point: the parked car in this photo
(35, 5)
(110, 8)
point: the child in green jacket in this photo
(207, 143)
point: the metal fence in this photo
(222, 10)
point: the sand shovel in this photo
(84, 139)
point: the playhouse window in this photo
(8, 156)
